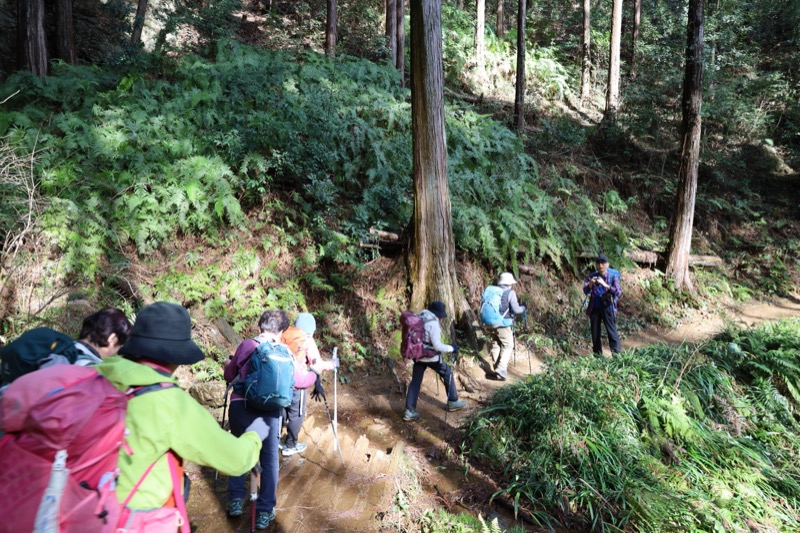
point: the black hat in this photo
(438, 309)
(601, 259)
(163, 331)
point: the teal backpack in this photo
(28, 351)
(269, 384)
(492, 314)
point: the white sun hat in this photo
(507, 278)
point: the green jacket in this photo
(165, 420)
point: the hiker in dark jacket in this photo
(603, 290)
(433, 340)
(271, 324)
(503, 337)
(102, 335)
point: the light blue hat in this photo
(306, 322)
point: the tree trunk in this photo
(330, 30)
(586, 52)
(637, 22)
(30, 33)
(680, 235)
(501, 23)
(391, 30)
(431, 258)
(480, 32)
(65, 32)
(400, 59)
(519, 98)
(612, 90)
(138, 22)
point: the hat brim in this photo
(176, 352)
(441, 314)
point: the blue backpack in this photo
(269, 384)
(493, 300)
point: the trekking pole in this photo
(335, 359)
(255, 473)
(335, 434)
(525, 329)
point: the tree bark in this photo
(501, 22)
(431, 258)
(680, 238)
(30, 33)
(519, 98)
(480, 33)
(637, 22)
(400, 59)
(330, 30)
(612, 90)
(586, 52)
(138, 22)
(391, 30)
(65, 32)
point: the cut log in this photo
(384, 235)
(705, 261)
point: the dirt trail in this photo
(317, 493)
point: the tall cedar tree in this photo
(32, 43)
(680, 234)
(330, 29)
(612, 89)
(586, 52)
(637, 22)
(501, 23)
(65, 31)
(391, 30)
(480, 33)
(138, 22)
(519, 97)
(400, 55)
(431, 258)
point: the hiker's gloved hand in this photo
(319, 392)
(455, 349)
(259, 426)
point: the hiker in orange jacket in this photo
(309, 366)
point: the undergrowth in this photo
(688, 438)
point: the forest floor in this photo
(391, 471)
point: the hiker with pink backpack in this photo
(431, 356)
(102, 448)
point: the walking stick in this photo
(335, 434)
(255, 473)
(525, 329)
(335, 359)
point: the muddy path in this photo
(369, 487)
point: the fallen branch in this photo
(384, 235)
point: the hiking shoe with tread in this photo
(501, 375)
(410, 416)
(235, 507)
(456, 405)
(263, 519)
(297, 448)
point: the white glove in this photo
(259, 426)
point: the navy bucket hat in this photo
(163, 331)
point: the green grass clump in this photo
(688, 438)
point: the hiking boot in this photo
(235, 507)
(264, 518)
(410, 416)
(456, 405)
(501, 375)
(297, 448)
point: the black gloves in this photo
(455, 348)
(318, 392)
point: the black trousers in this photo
(606, 317)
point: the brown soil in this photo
(392, 471)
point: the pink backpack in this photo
(412, 336)
(64, 429)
